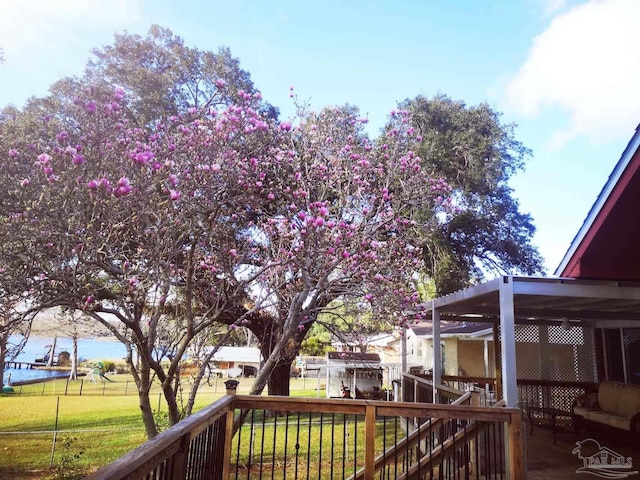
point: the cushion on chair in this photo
(584, 411)
(617, 404)
(609, 394)
(620, 421)
(629, 401)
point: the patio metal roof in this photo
(544, 300)
(450, 329)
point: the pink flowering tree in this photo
(142, 230)
(338, 225)
(213, 218)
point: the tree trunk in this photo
(142, 376)
(3, 353)
(147, 415)
(172, 403)
(278, 383)
(52, 352)
(73, 375)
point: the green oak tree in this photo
(484, 232)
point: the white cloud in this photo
(46, 40)
(46, 24)
(587, 62)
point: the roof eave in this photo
(604, 194)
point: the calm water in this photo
(88, 349)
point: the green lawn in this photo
(104, 423)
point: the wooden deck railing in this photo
(196, 448)
(304, 438)
(533, 393)
(419, 388)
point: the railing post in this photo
(231, 386)
(179, 464)
(515, 452)
(370, 443)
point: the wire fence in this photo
(81, 424)
(124, 385)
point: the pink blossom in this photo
(118, 94)
(285, 126)
(133, 281)
(90, 107)
(44, 158)
(13, 153)
(220, 83)
(345, 254)
(174, 195)
(24, 182)
(233, 252)
(215, 168)
(92, 184)
(271, 196)
(123, 187)
(78, 159)
(61, 137)
(142, 158)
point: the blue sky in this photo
(565, 71)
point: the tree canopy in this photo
(223, 217)
(160, 195)
(484, 232)
(164, 77)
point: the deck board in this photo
(546, 461)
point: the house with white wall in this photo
(467, 348)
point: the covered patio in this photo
(546, 329)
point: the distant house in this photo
(467, 348)
(384, 344)
(353, 375)
(237, 361)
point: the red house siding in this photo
(610, 249)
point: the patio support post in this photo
(508, 343)
(437, 351)
(509, 378)
(497, 369)
(485, 353)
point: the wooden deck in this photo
(546, 461)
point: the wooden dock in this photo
(25, 365)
